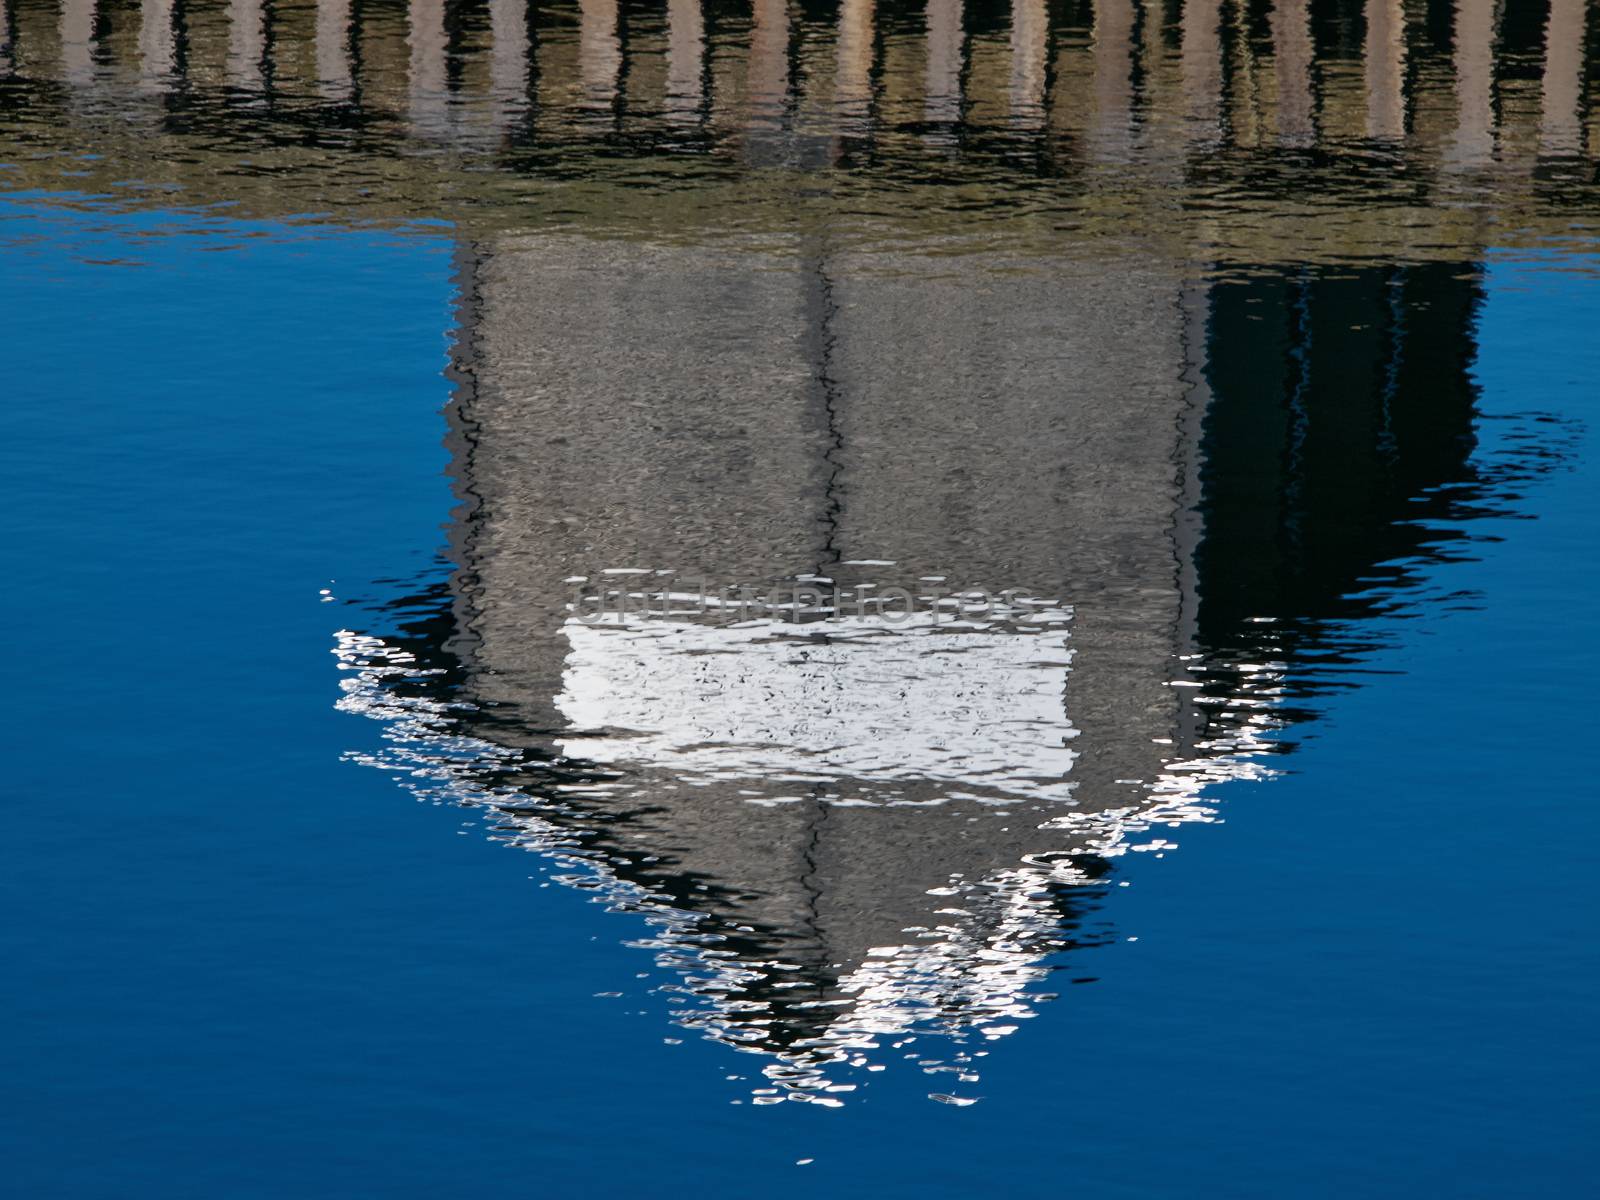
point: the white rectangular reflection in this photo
(874, 704)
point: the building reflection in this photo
(1187, 453)
(848, 831)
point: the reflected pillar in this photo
(1476, 24)
(1112, 135)
(768, 78)
(158, 50)
(686, 61)
(852, 95)
(1292, 62)
(1561, 94)
(429, 72)
(1201, 41)
(767, 82)
(510, 54)
(1385, 56)
(77, 40)
(599, 56)
(946, 48)
(335, 70)
(247, 43)
(1030, 47)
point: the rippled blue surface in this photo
(241, 966)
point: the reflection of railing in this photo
(1465, 93)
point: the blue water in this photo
(240, 965)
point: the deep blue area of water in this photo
(239, 965)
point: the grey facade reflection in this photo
(880, 832)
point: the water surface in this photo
(994, 595)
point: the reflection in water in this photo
(1291, 47)
(429, 100)
(686, 60)
(77, 41)
(767, 78)
(1154, 325)
(335, 66)
(247, 42)
(1562, 95)
(1474, 72)
(1171, 119)
(946, 47)
(853, 828)
(1113, 78)
(853, 91)
(1202, 68)
(1030, 42)
(158, 51)
(599, 57)
(1386, 70)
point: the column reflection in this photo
(247, 43)
(599, 57)
(853, 71)
(8, 38)
(686, 61)
(335, 68)
(1111, 133)
(1385, 55)
(1030, 49)
(1292, 66)
(946, 52)
(1201, 47)
(428, 96)
(77, 40)
(510, 58)
(767, 75)
(1476, 22)
(158, 51)
(1561, 93)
